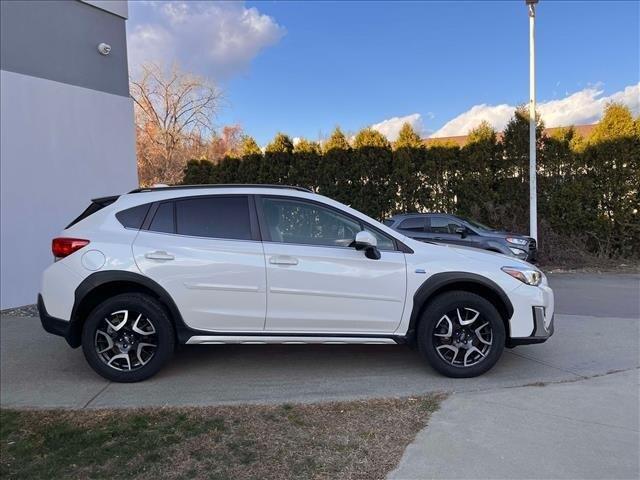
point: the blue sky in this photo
(304, 67)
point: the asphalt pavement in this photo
(40, 370)
(567, 408)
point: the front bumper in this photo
(542, 328)
(530, 256)
(56, 326)
(533, 310)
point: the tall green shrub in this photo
(408, 154)
(588, 189)
(372, 174)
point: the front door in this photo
(443, 229)
(204, 252)
(317, 282)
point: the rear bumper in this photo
(57, 326)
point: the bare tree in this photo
(174, 113)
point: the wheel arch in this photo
(101, 285)
(464, 281)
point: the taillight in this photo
(63, 247)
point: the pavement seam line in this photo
(96, 395)
(548, 364)
(530, 385)
(573, 380)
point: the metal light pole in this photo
(533, 200)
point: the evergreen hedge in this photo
(588, 189)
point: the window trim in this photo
(253, 219)
(266, 236)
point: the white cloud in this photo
(390, 127)
(583, 107)
(496, 115)
(217, 39)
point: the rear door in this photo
(205, 251)
(317, 282)
(414, 227)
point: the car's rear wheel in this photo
(128, 338)
(461, 334)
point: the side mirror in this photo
(365, 239)
(367, 242)
(461, 231)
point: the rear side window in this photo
(214, 217)
(443, 225)
(163, 220)
(415, 224)
(133, 217)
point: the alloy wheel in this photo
(126, 340)
(462, 337)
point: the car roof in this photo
(402, 216)
(162, 188)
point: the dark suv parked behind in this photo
(445, 228)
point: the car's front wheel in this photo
(461, 334)
(128, 337)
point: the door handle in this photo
(159, 255)
(283, 260)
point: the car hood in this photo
(474, 254)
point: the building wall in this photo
(117, 7)
(66, 133)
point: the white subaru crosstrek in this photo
(137, 274)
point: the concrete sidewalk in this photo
(578, 429)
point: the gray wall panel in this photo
(60, 146)
(58, 39)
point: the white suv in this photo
(137, 274)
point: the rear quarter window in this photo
(133, 217)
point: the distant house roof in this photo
(460, 140)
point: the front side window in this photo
(306, 223)
(214, 217)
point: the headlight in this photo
(518, 252)
(530, 276)
(517, 241)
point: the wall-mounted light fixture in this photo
(104, 48)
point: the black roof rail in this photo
(219, 185)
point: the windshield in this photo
(478, 225)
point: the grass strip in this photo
(357, 439)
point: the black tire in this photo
(163, 337)
(433, 314)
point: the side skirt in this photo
(291, 340)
